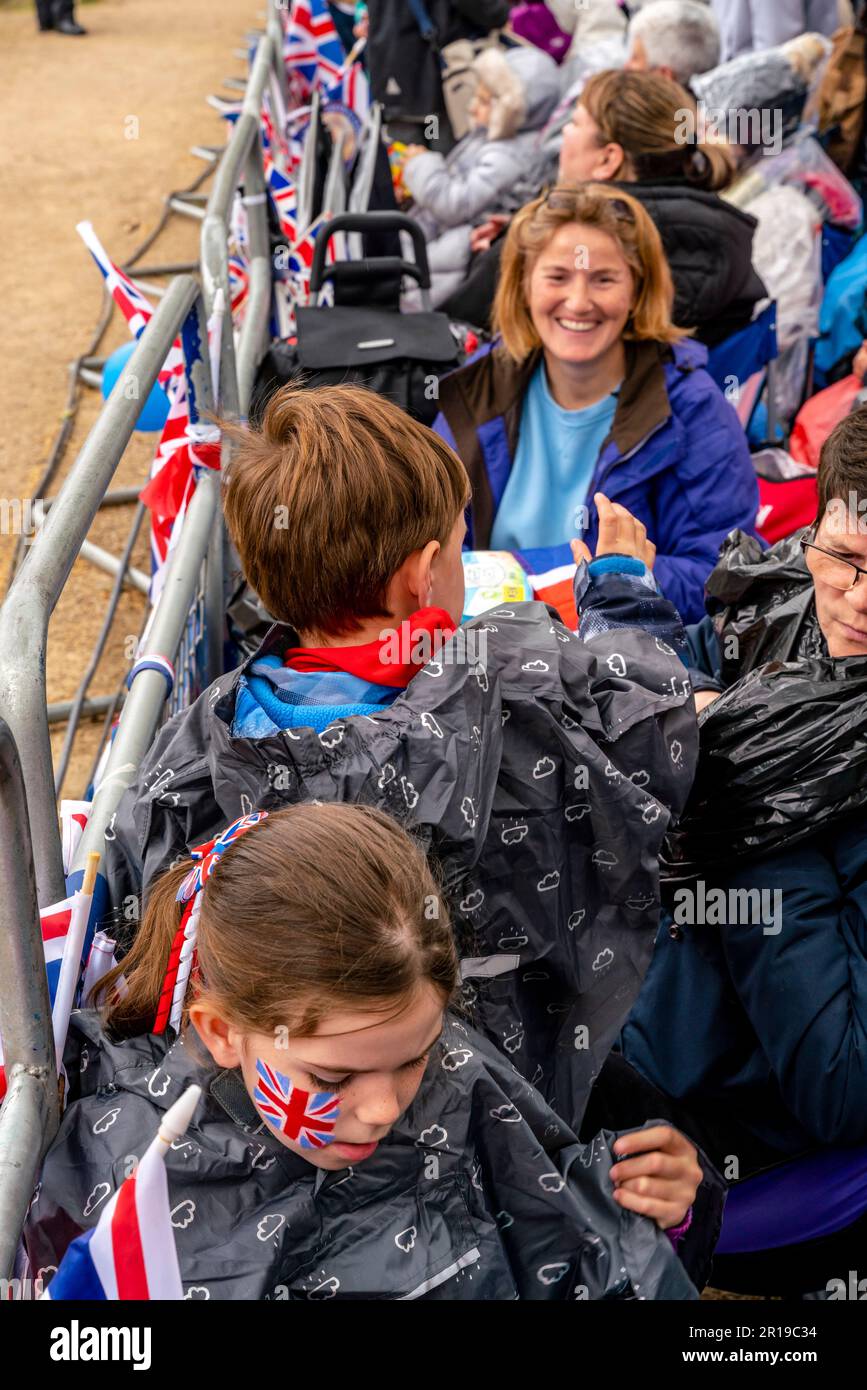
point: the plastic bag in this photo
(787, 254)
(804, 165)
(782, 755)
(763, 599)
(764, 81)
(782, 750)
(789, 389)
(818, 416)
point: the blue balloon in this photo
(155, 409)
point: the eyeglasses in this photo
(840, 574)
(569, 199)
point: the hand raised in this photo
(620, 533)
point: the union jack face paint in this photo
(305, 1116)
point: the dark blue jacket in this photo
(676, 457)
(775, 1024)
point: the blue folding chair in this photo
(748, 358)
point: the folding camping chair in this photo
(747, 357)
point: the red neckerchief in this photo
(386, 661)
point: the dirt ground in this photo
(65, 110)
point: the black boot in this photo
(63, 15)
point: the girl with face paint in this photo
(324, 988)
(355, 1137)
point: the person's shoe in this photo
(69, 26)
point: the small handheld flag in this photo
(131, 1252)
(70, 964)
(64, 935)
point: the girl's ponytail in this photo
(144, 966)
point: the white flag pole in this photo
(70, 965)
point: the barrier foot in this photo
(187, 209)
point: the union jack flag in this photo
(129, 299)
(65, 941)
(351, 88)
(273, 122)
(298, 1114)
(171, 484)
(138, 311)
(312, 51)
(74, 816)
(239, 261)
(239, 285)
(293, 286)
(130, 1254)
(284, 198)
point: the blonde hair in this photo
(591, 205)
(647, 114)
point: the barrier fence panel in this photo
(29, 830)
(30, 1111)
(37, 585)
(241, 162)
(187, 624)
(186, 628)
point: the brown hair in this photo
(592, 205)
(316, 908)
(327, 498)
(646, 114)
(843, 461)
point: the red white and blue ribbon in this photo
(170, 1008)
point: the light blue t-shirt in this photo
(553, 468)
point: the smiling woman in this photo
(590, 388)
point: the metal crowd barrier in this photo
(29, 831)
(186, 627)
(30, 1111)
